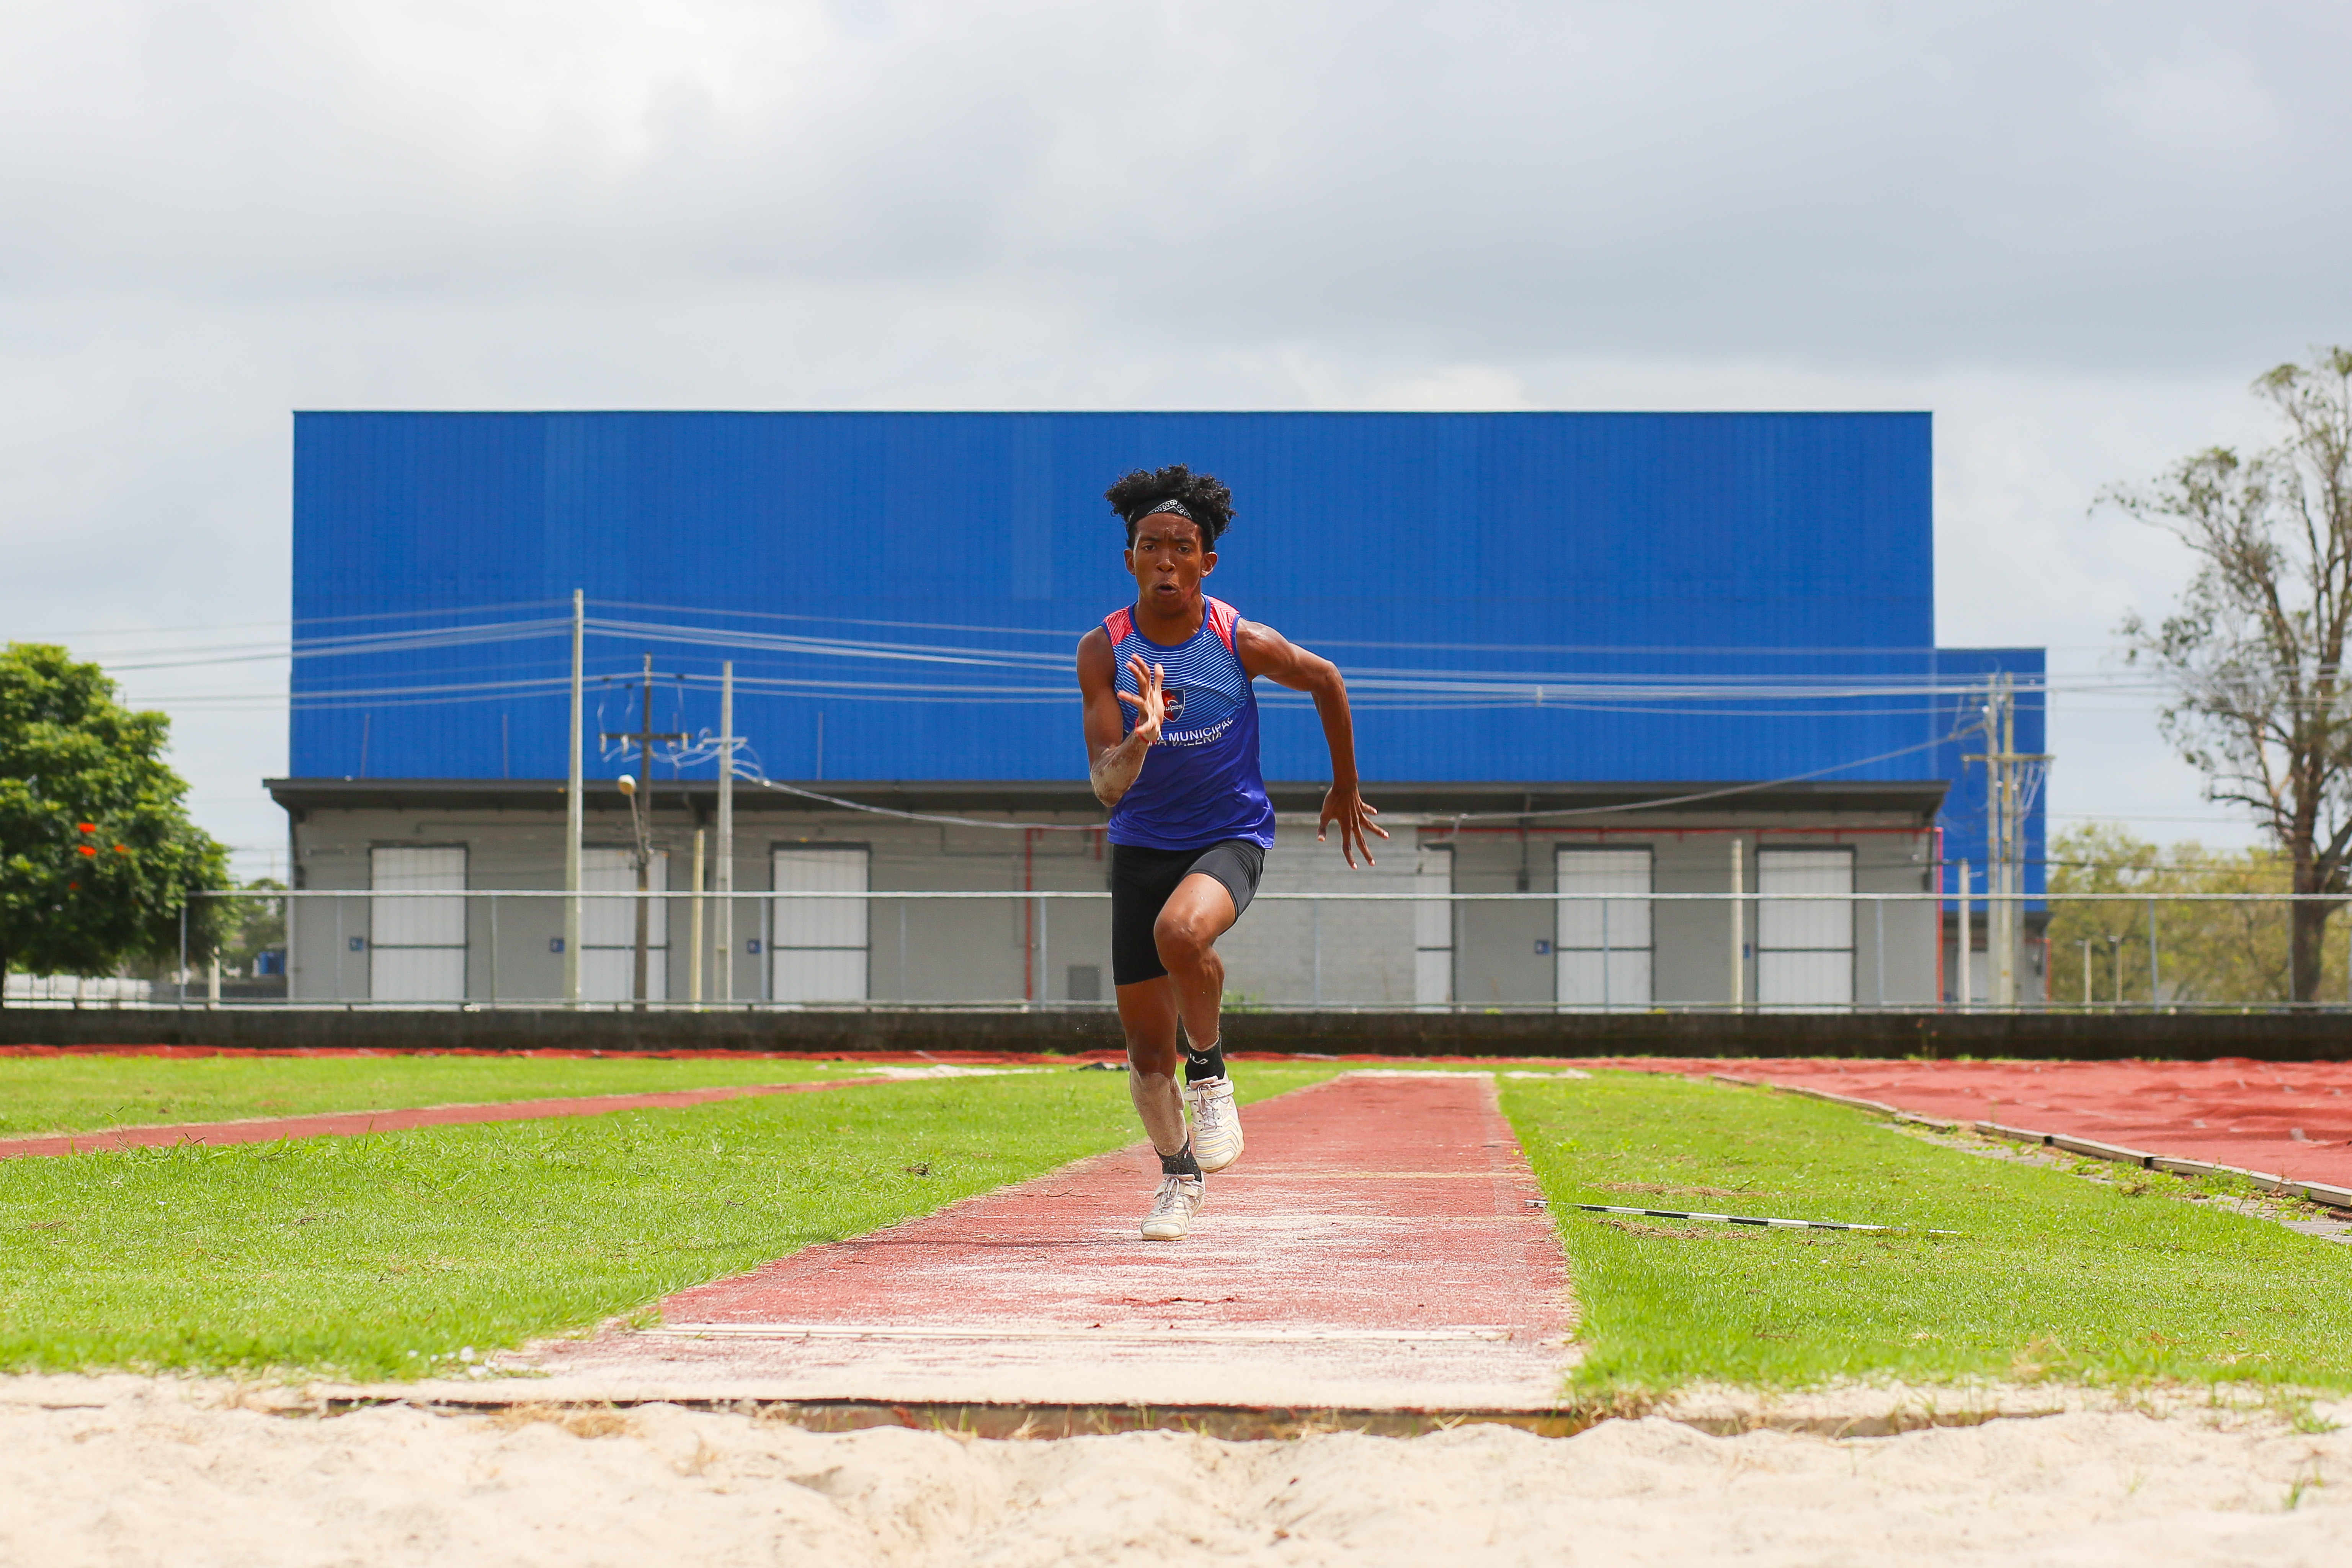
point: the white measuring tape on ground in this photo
(1738, 1218)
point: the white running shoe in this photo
(1216, 1122)
(1173, 1206)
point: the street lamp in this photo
(644, 858)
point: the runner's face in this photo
(1169, 563)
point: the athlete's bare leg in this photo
(1147, 1012)
(1197, 913)
(1193, 989)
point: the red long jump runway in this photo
(357, 1123)
(2291, 1119)
(1374, 1249)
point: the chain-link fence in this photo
(1560, 950)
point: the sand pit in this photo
(123, 1470)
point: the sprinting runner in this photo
(1171, 735)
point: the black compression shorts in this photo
(1143, 881)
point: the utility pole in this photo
(2012, 778)
(573, 811)
(694, 943)
(724, 880)
(1739, 927)
(641, 818)
(1968, 980)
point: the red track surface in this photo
(2228, 1112)
(1375, 1248)
(355, 1123)
(553, 1053)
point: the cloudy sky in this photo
(2074, 233)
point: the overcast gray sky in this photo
(2073, 231)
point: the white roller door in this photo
(1804, 950)
(1602, 943)
(818, 946)
(608, 927)
(1432, 929)
(417, 947)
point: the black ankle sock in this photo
(1209, 1063)
(1181, 1164)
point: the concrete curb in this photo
(2027, 1035)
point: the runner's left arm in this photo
(1266, 652)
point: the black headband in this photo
(1170, 504)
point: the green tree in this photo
(2213, 952)
(97, 854)
(2253, 652)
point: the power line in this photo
(1701, 795)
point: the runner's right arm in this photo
(1112, 759)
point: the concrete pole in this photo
(640, 816)
(724, 926)
(295, 880)
(1968, 981)
(2014, 949)
(1739, 927)
(573, 823)
(694, 941)
(2005, 915)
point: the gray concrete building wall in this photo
(1284, 953)
(1289, 954)
(1503, 949)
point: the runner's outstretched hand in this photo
(1150, 707)
(1354, 814)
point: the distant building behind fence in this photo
(1548, 622)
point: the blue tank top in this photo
(1201, 784)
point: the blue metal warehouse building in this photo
(1555, 627)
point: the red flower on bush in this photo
(85, 849)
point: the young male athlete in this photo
(1171, 735)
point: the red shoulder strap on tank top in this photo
(1222, 617)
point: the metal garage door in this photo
(417, 947)
(1603, 945)
(1432, 929)
(818, 949)
(1804, 951)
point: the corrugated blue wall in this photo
(1791, 549)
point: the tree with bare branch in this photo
(2253, 653)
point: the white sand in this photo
(161, 1472)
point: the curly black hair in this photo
(1210, 504)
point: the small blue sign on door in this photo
(752, 944)
(555, 944)
(1543, 947)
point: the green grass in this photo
(2051, 1276)
(86, 1093)
(384, 1256)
